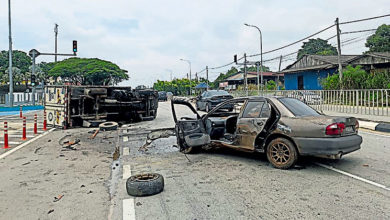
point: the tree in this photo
(88, 71)
(20, 60)
(316, 47)
(380, 41)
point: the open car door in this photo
(190, 131)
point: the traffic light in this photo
(33, 80)
(74, 46)
(235, 58)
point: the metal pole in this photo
(33, 74)
(280, 64)
(245, 76)
(339, 50)
(56, 34)
(261, 52)
(207, 78)
(258, 80)
(11, 83)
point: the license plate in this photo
(349, 129)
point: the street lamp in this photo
(189, 63)
(11, 83)
(261, 58)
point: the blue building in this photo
(308, 72)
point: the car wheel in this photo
(145, 184)
(208, 107)
(281, 153)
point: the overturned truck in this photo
(69, 106)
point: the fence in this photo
(21, 98)
(367, 102)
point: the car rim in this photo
(280, 153)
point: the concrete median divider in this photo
(375, 126)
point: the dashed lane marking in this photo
(126, 171)
(354, 176)
(128, 204)
(25, 144)
(19, 136)
(126, 151)
(128, 209)
(125, 139)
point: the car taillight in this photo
(335, 129)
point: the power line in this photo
(364, 19)
(312, 35)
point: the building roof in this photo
(202, 85)
(316, 62)
(250, 75)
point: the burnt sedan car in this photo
(211, 98)
(283, 128)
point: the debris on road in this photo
(37, 149)
(94, 134)
(50, 211)
(157, 134)
(26, 163)
(58, 198)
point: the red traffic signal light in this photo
(235, 58)
(74, 46)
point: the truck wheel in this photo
(281, 153)
(145, 184)
(108, 126)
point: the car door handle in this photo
(260, 123)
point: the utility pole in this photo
(11, 82)
(339, 49)
(258, 81)
(245, 76)
(280, 64)
(55, 46)
(207, 78)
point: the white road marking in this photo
(20, 136)
(125, 131)
(128, 209)
(125, 139)
(354, 176)
(10, 142)
(25, 144)
(126, 151)
(368, 124)
(126, 171)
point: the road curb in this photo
(375, 126)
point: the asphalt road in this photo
(217, 184)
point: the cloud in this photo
(148, 37)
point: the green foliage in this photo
(357, 78)
(271, 85)
(254, 69)
(176, 86)
(380, 41)
(88, 71)
(316, 47)
(20, 66)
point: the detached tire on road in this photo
(108, 126)
(145, 184)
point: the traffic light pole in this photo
(34, 54)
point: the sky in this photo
(148, 38)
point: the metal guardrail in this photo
(21, 99)
(364, 101)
